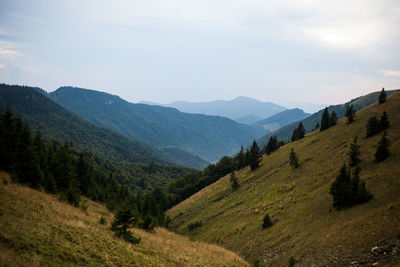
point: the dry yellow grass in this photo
(38, 230)
(306, 225)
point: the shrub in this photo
(266, 221)
(102, 220)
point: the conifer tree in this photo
(333, 119)
(234, 181)
(298, 133)
(382, 96)
(272, 145)
(341, 189)
(325, 120)
(123, 221)
(382, 151)
(241, 159)
(254, 156)
(354, 153)
(347, 191)
(384, 122)
(372, 126)
(294, 162)
(350, 114)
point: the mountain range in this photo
(209, 137)
(241, 109)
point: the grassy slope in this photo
(306, 226)
(37, 229)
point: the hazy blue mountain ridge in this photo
(233, 109)
(209, 137)
(281, 119)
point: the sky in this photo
(318, 51)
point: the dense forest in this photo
(58, 169)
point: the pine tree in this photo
(123, 221)
(347, 191)
(382, 151)
(241, 160)
(298, 133)
(254, 156)
(384, 122)
(234, 181)
(272, 145)
(294, 162)
(382, 96)
(325, 120)
(354, 153)
(341, 189)
(372, 126)
(333, 119)
(350, 114)
(316, 126)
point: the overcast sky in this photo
(298, 50)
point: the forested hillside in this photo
(328, 199)
(56, 123)
(209, 137)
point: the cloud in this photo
(2, 66)
(390, 72)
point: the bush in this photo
(266, 221)
(102, 220)
(292, 261)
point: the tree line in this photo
(63, 170)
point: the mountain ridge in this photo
(305, 226)
(209, 137)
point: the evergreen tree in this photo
(333, 119)
(350, 114)
(341, 189)
(347, 191)
(325, 120)
(254, 156)
(123, 221)
(354, 153)
(234, 181)
(384, 122)
(294, 162)
(372, 126)
(316, 126)
(272, 145)
(241, 159)
(247, 157)
(298, 133)
(382, 151)
(382, 96)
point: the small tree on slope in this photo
(382, 151)
(382, 96)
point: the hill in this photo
(305, 224)
(249, 119)
(56, 123)
(281, 119)
(209, 137)
(309, 123)
(39, 230)
(233, 109)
